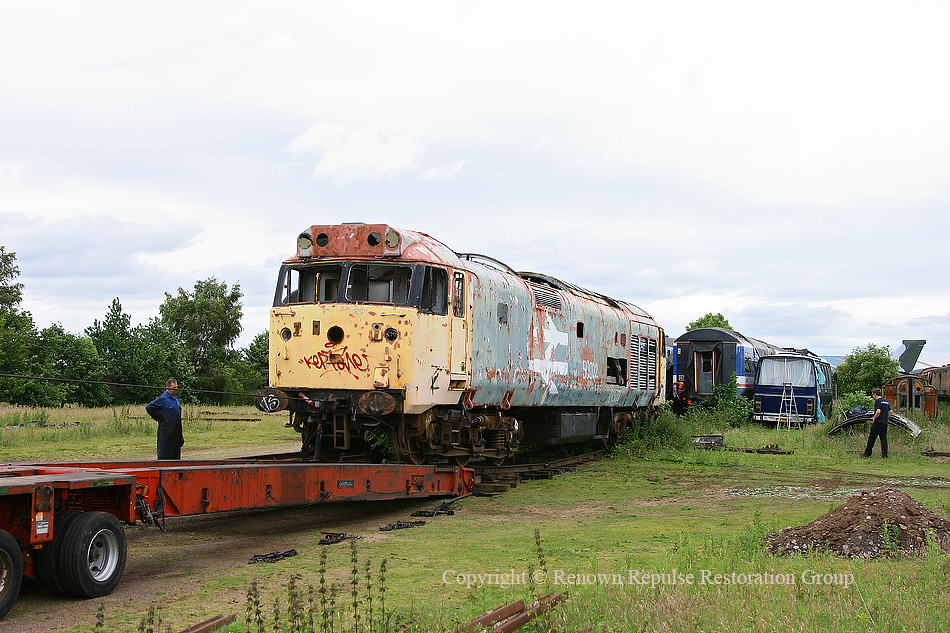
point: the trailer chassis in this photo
(61, 524)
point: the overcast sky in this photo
(786, 164)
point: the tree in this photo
(709, 320)
(56, 353)
(158, 354)
(114, 342)
(252, 369)
(17, 332)
(207, 322)
(866, 368)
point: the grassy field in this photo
(666, 540)
(126, 432)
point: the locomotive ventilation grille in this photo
(643, 363)
(545, 296)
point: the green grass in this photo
(126, 432)
(686, 511)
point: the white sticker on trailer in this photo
(42, 527)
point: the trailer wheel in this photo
(47, 559)
(11, 572)
(93, 553)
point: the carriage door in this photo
(458, 361)
(705, 363)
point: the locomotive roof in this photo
(359, 241)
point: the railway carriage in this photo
(706, 357)
(451, 355)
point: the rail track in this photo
(489, 476)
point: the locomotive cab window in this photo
(379, 284)
(310, 284)
(435, 291)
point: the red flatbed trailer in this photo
(60, 524)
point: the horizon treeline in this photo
(192, 340)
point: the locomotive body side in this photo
(535, 346)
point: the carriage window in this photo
(379, 284)
(435, 291)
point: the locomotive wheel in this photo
(47, 561)
(330, 455)
(497, 462)
(11, 572)
(416, 458)
(93, 555)
(461, 460)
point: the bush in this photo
(851, 400)
(663, 431)
(735, 409)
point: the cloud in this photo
(442, 171)
(350, 152)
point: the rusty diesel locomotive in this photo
(382, 333)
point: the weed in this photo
(354, 586)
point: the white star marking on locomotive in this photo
(546, 365)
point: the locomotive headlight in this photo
(304, 241)
(286, 334)
(335, 334)
(391, 334)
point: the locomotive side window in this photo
(290, 287)
(378, 284)
(616, 371)
(458, 295)
(435, 291)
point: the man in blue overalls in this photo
(167, 412)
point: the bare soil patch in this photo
(856, 528)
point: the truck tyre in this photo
(93, 553)
(11, 572)
(47, 559)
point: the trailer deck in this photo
(61, 524)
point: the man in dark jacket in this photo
(882, 411)
(167, 412)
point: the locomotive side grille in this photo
(642, 364)
(634, 363)
(642, 382)
(545, 296)
(651, 369)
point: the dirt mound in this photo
(855, 529)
